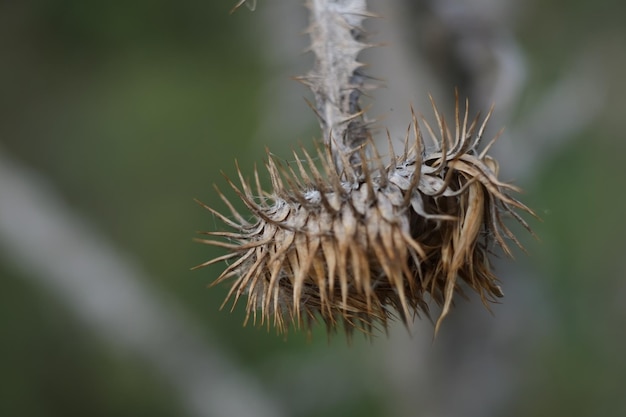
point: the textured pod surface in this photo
(373, 242)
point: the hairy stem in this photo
(337, 80)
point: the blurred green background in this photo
(129, 110)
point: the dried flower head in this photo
(358, 247)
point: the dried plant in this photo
(350, 240)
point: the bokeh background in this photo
(115, 115)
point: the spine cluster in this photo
(342, 237)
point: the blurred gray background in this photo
(115, 115)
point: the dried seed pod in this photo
(358, 247)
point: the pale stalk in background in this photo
(52, 245)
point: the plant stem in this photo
(337, 80)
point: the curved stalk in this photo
(337, 79)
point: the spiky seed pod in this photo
(359, 247)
